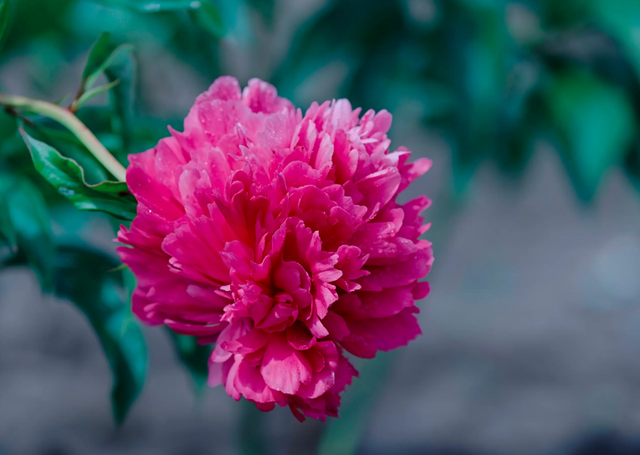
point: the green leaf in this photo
(632, 167)
(122, 96)
(28, 223)
(193, 356)
(84, 277)
(265, 7)
(519, 143)
(68, 145)
(620, 19)
(5, 15)
(478, 73)
(102, 55)
(67, 177)
(156, 6)
(34, 20)
(595, 122)
(252, 431)
(522, 120)
(565, 14)
(209, 18)
(86, 96)
(99, 54)
(8, 234)
(64, 99)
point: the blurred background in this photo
(529, 110)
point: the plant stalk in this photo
(73, 124)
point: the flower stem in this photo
(73, 124)
(251, 432)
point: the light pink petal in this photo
(261, 96)
(224, 88)
(283, 368)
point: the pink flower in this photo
(277, 236)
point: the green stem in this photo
(73, 124)
(251, 432)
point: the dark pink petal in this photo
(382, 334)
(416, 266)
(299, 337)
(386, 302)
(336, 325)
(266, 407)
(421, 290)
(250, 342)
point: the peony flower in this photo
(277, 236)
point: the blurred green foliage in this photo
(495, 78)
(26, 227)
(88, 279)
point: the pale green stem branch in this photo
(73, 124)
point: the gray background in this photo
(531, 332)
